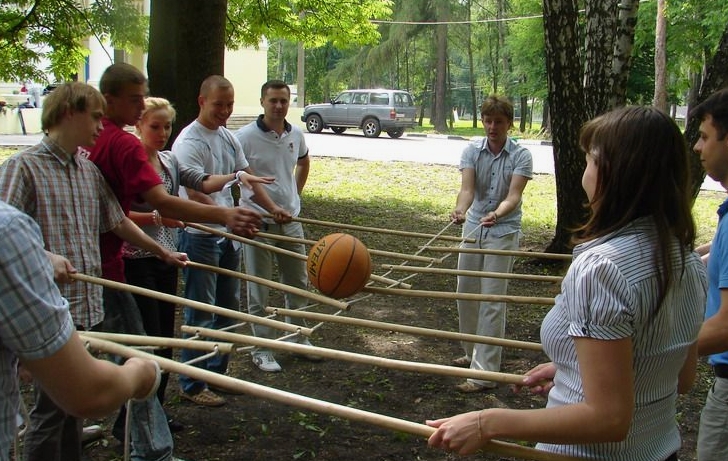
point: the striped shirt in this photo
(34, 320)
(69, 199)
(610, 292)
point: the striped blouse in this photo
(610, 292)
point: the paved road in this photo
(433, 149)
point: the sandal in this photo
(205, 397)
(469, 387)
(463, 361)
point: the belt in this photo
(721, 370)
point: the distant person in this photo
(276, 148)
(206, 147)
(143, 268)
(712, 146)
(622, 335)
(36, 328)
(56, 185)
(495, 171)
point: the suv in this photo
(373, 111)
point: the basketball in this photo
(339, 265)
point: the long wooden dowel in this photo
(466, 273)
(159, 341)
(272, 284)
(194, 304)
(525, 254)
(393, 364)
(319, 406)
(417, 331)
(467, 296)
(317, 222)
(405, 256)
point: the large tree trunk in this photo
(566, 104)
(439, 117)
(623, 44)
(716, 77)
(659, 99)
(601, 26)
(186, 45)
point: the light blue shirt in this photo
(34, 319)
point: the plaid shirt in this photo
(34, 320)
(69, 199)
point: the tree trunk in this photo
(566, 104)
(471, 70)
(716, 77)
(439, 117)
(659, 99)
(601, 26)
(186, 45)
(524, 113)
(623, 44)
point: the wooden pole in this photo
(524, 254)
(316, 222)
(271, 284)
(418, 331)
(485, 274)
(319, 406)
(160, 341)
(194, 304)
(393, 364)
(468, 296)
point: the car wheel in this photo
(338, 129)
(314, 124)
(395, 133)
(371, 128)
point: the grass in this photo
(465, 128)
(393, 194)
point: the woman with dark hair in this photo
(622, 335)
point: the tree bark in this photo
(439, 117)
(623, 44)
(186, 45)
(601, 27)
(566, 105)
(659, 99)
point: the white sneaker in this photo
(265, 361)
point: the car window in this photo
(359, 98)
(403, 100)
(379, 98)
(343, 98)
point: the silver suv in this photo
(373, 111)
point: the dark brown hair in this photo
(117, 76)
(276, 85)
(716, 105)
(497, 105)
(68, 97)
(642, 171)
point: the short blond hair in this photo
(69, 97)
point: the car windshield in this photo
(343, 98)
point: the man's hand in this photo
(280, 215)
(242, 221)
(457, 216)
(247, 179)
(62, 268)
(173, 223)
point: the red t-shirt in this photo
(124, 163)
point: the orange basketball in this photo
(339, 265)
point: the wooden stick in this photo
(525, 254)
(315, 316)
(451, 238)
(253, 242)
(319, 406)
(270, 283)
(160, 341)
(468, 296)
(295, 348)
(194, 304)
(495, 275)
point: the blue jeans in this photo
(151, 439)
(211, 288)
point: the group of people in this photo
(92, 197)
(636, 309)
(637, 306)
